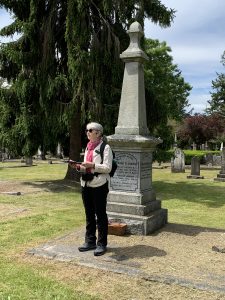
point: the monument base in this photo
(195, 177)
(220, 177)
(141, 225)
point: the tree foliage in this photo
(65, 68)
(166, 91)
(217, 102)
(33, 66)
(202, 128)
(94, 64)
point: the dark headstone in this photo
(221, 175)
(195, 169)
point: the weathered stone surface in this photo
(220, 249)
(178, 255)
(195, 169)
(131, 191)
(141, 225)
(12, 193)
(221, 175)
(132, 113)
(178, 162)
(195, 177)
(134, 209)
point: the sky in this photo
(197, 41)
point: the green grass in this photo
(199, 202)
(23, 283)
(39, 171)
(56, 209)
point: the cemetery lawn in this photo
(198, 202)
(50, 207)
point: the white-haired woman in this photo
(94, 183)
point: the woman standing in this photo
(94, 183)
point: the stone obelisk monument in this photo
(132, 199)
(221, 175)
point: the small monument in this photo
(29, 160)
(178, 162)
(195, 169)
(131, 199)
(175, 141)
(221, 175)
(194, 146)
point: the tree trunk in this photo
(75, 146)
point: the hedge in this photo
(166, 155)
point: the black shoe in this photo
(100, 250)
(86, 247)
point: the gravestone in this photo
(131, 198)
(178, 162)
(194, 146)
(221, 175)
(59, 151)
(29, 160)
(209, 159)
(217, 160)
(195, 169)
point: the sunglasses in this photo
(89, 130)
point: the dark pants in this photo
(94, 200)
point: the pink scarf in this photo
(91, 146)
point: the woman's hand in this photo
(76, 166)
(72, 164)
(88, 164)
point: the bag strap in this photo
(102, 148)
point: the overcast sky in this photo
(197, 40)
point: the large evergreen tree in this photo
(217, 102)
(94, 65)
(35, 67)
(65, 70)
(36, 64)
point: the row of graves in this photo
(178, 165)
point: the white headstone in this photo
(178, 162)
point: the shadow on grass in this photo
(211, 196)
(55, 186)
(188, 230)
(19, 166)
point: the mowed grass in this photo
(53, 211)
(40, 170)
(56, 209)
(199, 202)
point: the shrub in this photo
(199, 153)
(160, 155)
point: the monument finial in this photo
(132, 199)
(134, 50)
